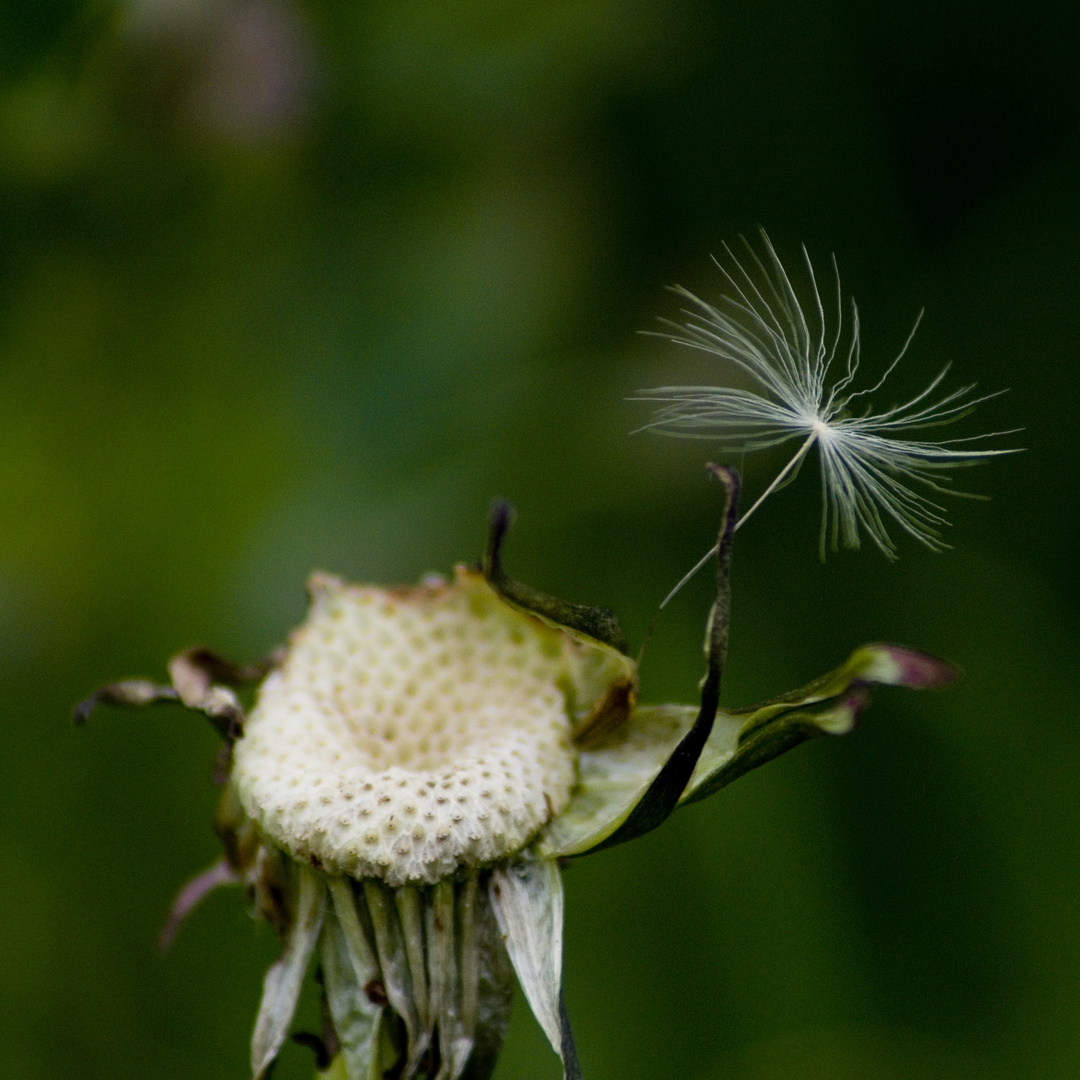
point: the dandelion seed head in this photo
(874, 474)
(389, 699)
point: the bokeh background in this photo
(306, 283)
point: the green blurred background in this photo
(288, 285)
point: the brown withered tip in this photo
(129, 693)
(923, 671)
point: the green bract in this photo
(416, 764)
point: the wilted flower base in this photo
(376, 947)
(416, 980)
(417, 763)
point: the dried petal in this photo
(357, 1019)
(527, 896)
(281, 986)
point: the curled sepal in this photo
(581, 621)
(201, 680)
(527, 898)
(192, 894)
(666, 788)
(356, 1016)
(830, 705)
(281, 986)
(615, 775)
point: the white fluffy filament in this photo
(868, 465)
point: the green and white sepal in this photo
(285, 977)
(350, 967)
(527, 897)
(616, 775)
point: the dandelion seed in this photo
(868, 465)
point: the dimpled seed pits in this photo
(411, 731)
